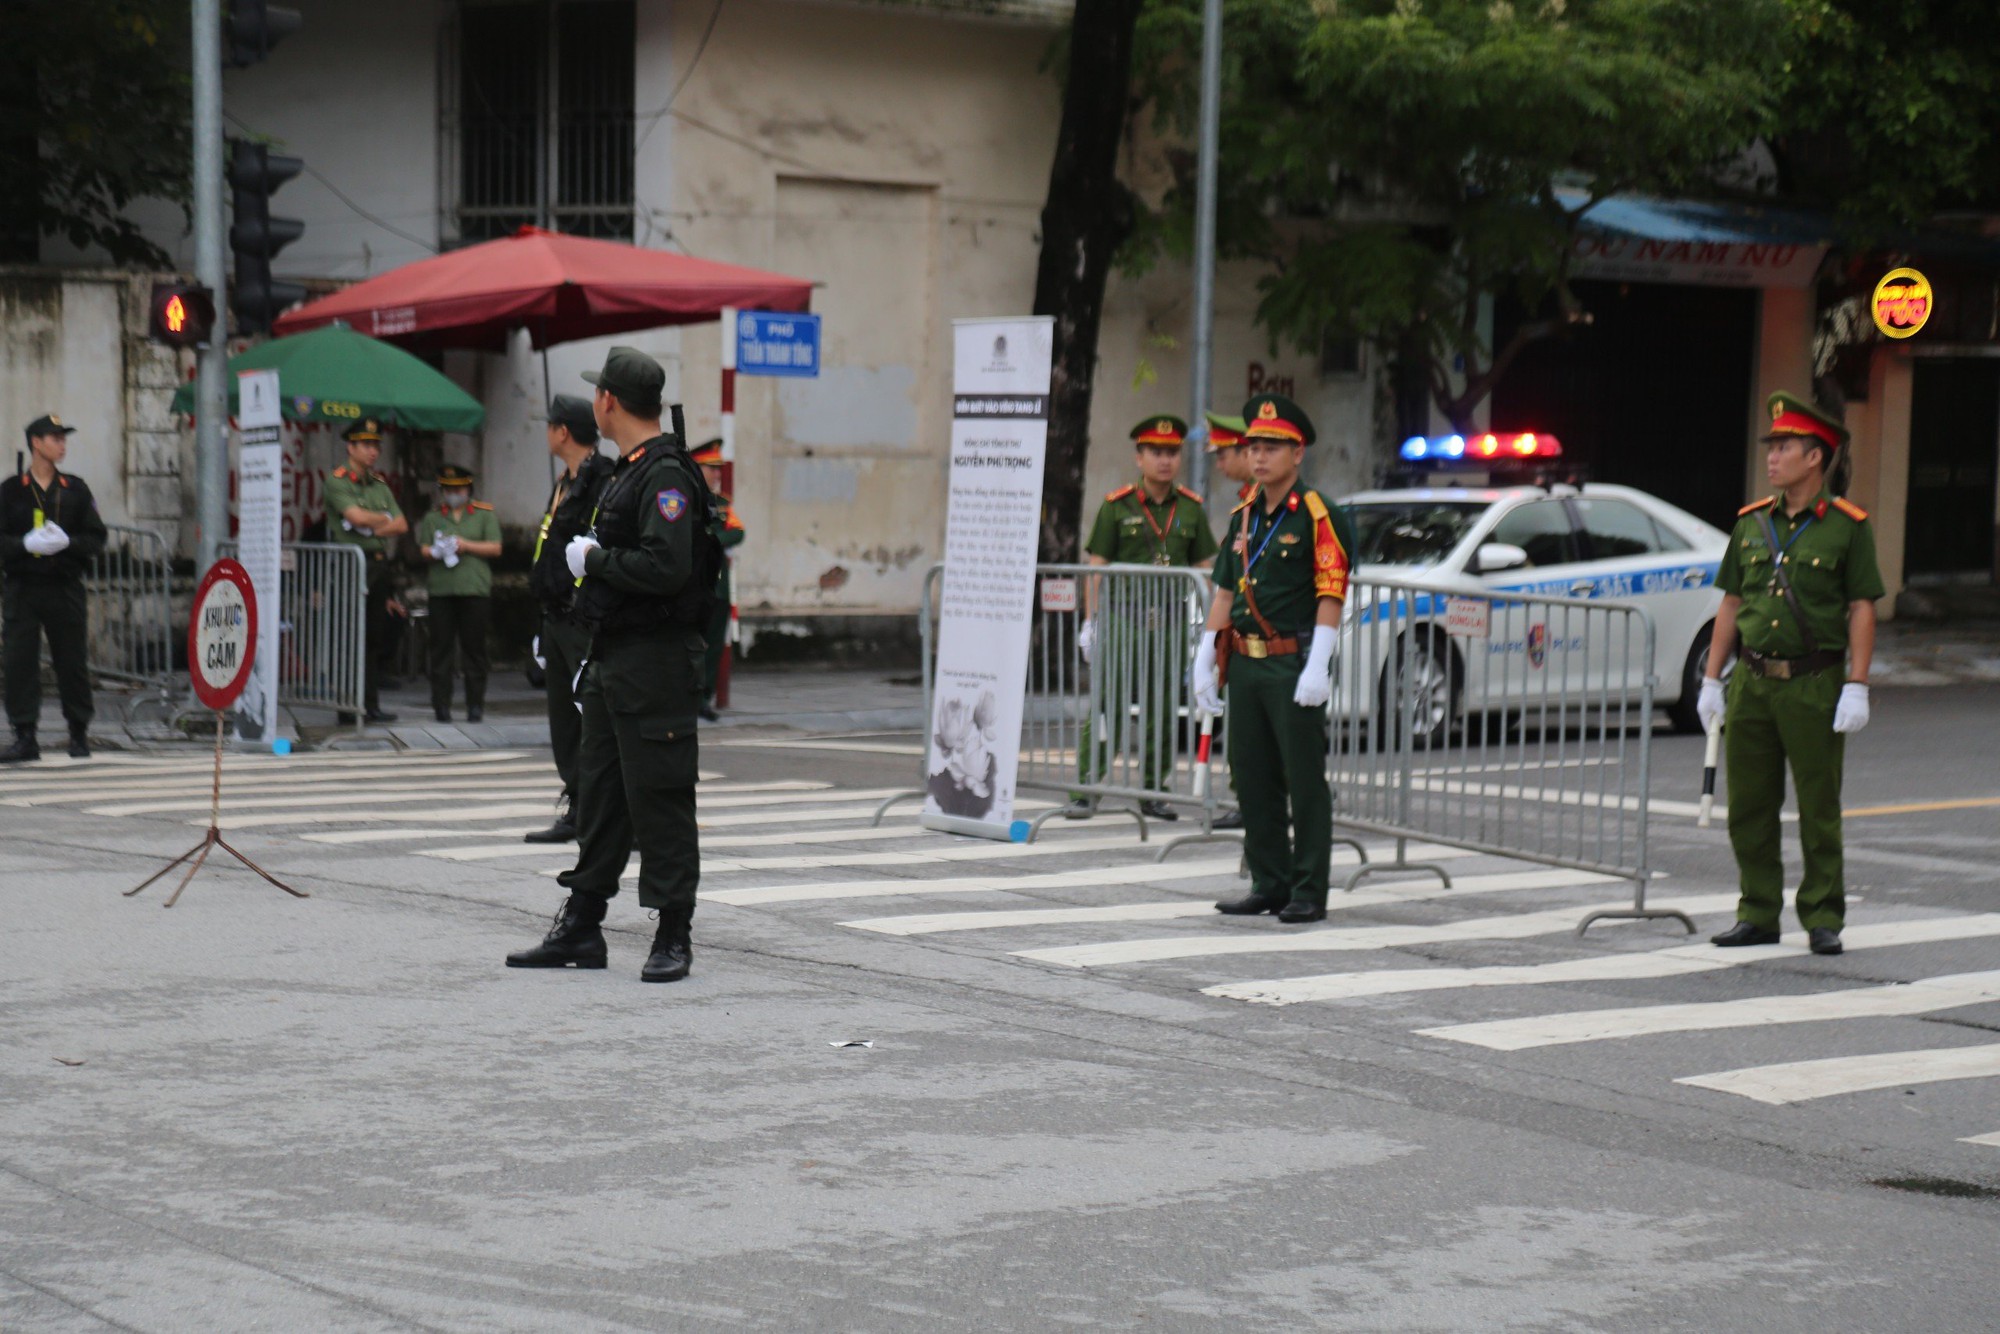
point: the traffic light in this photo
(250, 28)
(255, 236)
(182, 315)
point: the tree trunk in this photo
(1087, 216)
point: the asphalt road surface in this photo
(1089, 1100)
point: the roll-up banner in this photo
(999, 435)
(260, 510)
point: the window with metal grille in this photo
(537, 108)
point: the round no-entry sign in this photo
(222, 632)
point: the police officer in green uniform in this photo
(50, 531)
(1799, 584)
(729, 531)
(361, 511)
(1279, 585)
(1152, 521)
(647, 572)
(564, 640)
(458, 542)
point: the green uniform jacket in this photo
(345, 489)
(472, 577)
(1293, 558)
(1829, 552)
(1131, 530)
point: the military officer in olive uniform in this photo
(646, 574)
(1279, 585)
(1152, 521)
(729, 531)
(564, 639)
(1799, 584)
(50, 531)
(361, 511)
(459, 541)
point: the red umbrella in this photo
(557, 287)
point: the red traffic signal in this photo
(182, 315)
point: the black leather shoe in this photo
(1746, 933)
(1302, 910)
(1824, 940)
(1249, 906)
(573, 941)
(1158, 810)
(24, 748)
(671, 956)
(1228, 820)
(379, 716)
(475, 713)
(443, 715)
(707, 712)
(562, 831)
(79, 745)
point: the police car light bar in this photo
(1499, 448)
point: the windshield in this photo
(1412, 533)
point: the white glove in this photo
(56, 538)
(1315, 682)
(578, 548)
(451, 556)
(535, 652)
(1851, 714)
(1207, 694)
(1709, 707)
(436, 548)
(1086, 639)
(36, 542)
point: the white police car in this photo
(1565, 540)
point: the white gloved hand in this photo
(1086, 639)
(1207, 694)
(436, 549)
(1315, 686)
(1851, 714)
(1709, 707)
(535, 652)
(450, 541)
(578, 548)
(36, 542)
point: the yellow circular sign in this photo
(1902, 303)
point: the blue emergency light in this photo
(1487, 447)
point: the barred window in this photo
(538, 115)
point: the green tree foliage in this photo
(94, 112)
(1396, 161)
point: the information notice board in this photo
(999, 437)
(260, 506)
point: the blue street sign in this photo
(770, 344)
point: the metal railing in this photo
(133, 630)
(322, 624)
(1505, 723)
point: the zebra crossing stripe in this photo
(468, 813)
(1145, 873)
(924, 924)
(1618, 967)
(1802, 1081)
(1922, 996)
(747, 795)
(48, 793)
(1339, 939)
(784, 838)
(343, 837)
(55, 768)
(1993, 1139)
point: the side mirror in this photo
(1495, 557)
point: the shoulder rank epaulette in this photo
(341, 473)
(1120, 493)
(1190, 493)
(1316, 507)
(481, 505)
(63, 482)
(1245, 503)
(1849, 508)
(1756, 505)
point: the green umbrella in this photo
(337, 376)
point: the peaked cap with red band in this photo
(1223, 432)
(1275, 417)
(709, 453)
(1161, 431)
(1793, 416)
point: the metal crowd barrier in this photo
(322, 625)
(133, 630)
(1512, 724)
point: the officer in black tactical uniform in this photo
(646, 575)
(564, 639)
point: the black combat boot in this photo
(562, 831)
(672, 953)
(79, 743)
(24, 747)
(574, 941)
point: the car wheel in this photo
(1419, 693)
(1681, 713)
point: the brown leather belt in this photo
(1784, 669)
(1257, 646)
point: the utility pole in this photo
(1203, 369)
(211, 401)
